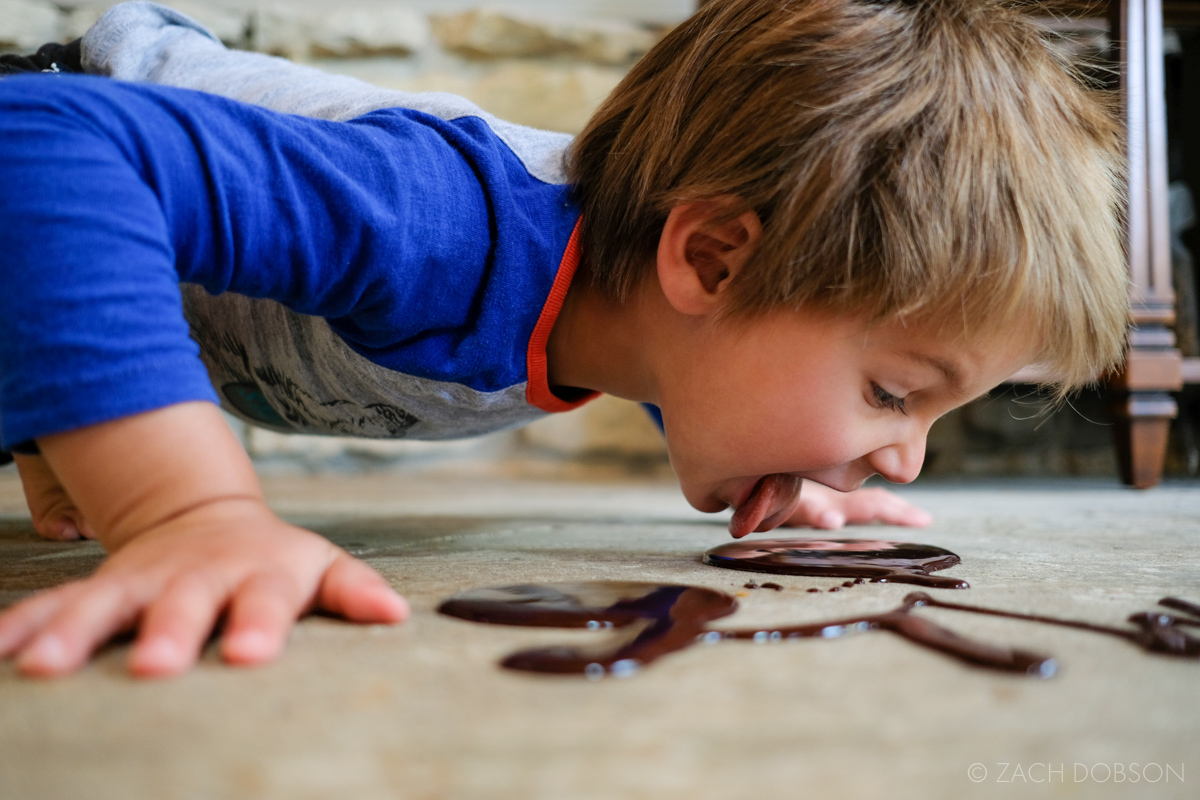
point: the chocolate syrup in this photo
(880, 561)
(651, 620)
(1184, 606)
(915, 629)
(1156, 632)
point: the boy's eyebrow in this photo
(950, 370)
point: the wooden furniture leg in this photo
(1142, 406)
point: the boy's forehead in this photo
(962, 361)
(951, 371)
(958, 354)
(966, 362)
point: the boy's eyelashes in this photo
(885, 399)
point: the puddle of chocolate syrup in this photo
(649, 621)
(879, 561)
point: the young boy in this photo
(804, 230)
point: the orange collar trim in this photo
(537, 388)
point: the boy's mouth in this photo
(771, 501)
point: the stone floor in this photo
(422, 711)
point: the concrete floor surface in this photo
(422, 710)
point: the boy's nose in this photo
(900, 462)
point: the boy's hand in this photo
(173, 498)
(54, 513)
(174, 582)
(822, 507)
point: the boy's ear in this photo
(697, 255)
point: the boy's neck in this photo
(600, 345)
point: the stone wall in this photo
(532, 61)
(548, 63)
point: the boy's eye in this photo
(885, 399)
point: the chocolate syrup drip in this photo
(1184, 606)
(651, 619)
(1156, 632)
(879, 561)
(915, 629)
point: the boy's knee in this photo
(127, 41)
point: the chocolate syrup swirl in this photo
(1156, 632)
(917, 630)
(652, 620)
(880, 561)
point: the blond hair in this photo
(932, 160)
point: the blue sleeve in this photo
(111, 194)
(655, 414)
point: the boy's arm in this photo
(125, 191)
(97, 366)
(173, 498)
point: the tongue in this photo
(763, 499)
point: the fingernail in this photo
(47, 653)
(64, 530)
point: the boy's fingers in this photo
(829, 519)
(54, 514)
(887, 507)
(817, 514)
(261, 612)
(822, 509)
(357, 592)
(65, 524)
(175, 627)
(909, 515)
(21, 623)
(76, 630)
(58, 528)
